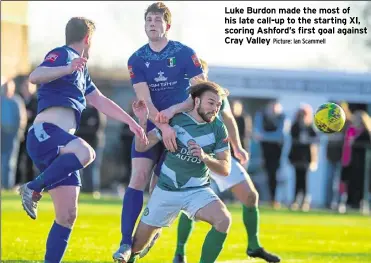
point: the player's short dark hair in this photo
(77, 28)
(200, 88)
(161, 8)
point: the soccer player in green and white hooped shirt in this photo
(183, 185)
(238, 181)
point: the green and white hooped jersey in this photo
(182, 171)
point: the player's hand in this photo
(169, 138)
(164, 116)
(140, 110)
(139, 132)
(241, 155)
(196, 150)
(77, 64)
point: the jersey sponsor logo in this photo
(171, 62)
(196, 61)
(147, 64)
(51, 57)
(185, 155)
(131, 73)
(160, 77)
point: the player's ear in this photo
(197, 102)
(86, 39)
(168, 27)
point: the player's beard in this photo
(206, 116)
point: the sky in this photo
(200, 25)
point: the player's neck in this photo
(196, 116)
(77, 47)
(157, 46)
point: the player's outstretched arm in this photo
(43, 74)
(111, 109)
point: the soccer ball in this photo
(329, 118)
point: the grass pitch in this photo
(318, 237)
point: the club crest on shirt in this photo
(171, 62)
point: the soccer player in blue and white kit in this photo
(157, 73)
(66, 88)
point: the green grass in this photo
(318, 236)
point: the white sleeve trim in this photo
(221, 149)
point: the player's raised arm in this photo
(141, 112)
(55, 66)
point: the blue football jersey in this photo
(164, 72)
(68, 91)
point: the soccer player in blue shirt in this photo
(157, 73)
(66, 88)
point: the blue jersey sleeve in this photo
(90, 86)
(136, 70)
(192, 63)
(55, 58)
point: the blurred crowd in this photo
(263, 134)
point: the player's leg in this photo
(65, 205)
(162, 209)
(142, 165)
(185, 227)
(144, 234)
(132, 205)
(203, 204)
(216, 214)
(59, 153)
(244, 190)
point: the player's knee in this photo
(139, 179)
(252, 198)
(67, 218)
(224, 222)
(86, 154)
